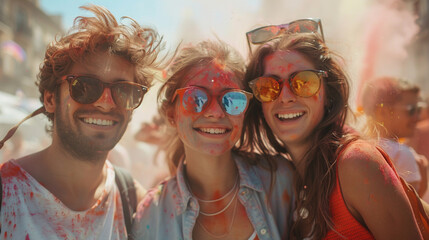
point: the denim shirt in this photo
(169, 211)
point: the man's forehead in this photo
(105, 65)
(213, 74)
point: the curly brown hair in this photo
(328, 136)
(138, 45)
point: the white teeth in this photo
(100, 122)
(213, 130)
(290, 115)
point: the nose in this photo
(286, 94)
(105, 102)
(214, 110)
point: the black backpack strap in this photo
(125, 183)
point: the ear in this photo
(49, 101)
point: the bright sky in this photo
(168, 17)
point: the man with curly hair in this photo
(90, 82)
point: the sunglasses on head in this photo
(304, 83)
(196, 99)
(267, 33)
(87, 90)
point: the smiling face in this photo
(212, 131)
(292, 118)
(87, 130)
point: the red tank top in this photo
(346, 226)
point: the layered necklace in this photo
(234, 191)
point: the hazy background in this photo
(375, 37)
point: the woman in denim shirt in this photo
(216, 190)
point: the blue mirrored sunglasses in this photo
(196, 99)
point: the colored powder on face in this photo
(366, 181)
(316, 97)
(294, 136)
(269, 58)
(283, 69)
(235, 131)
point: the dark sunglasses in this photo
(267, 33)
(304, 83)
(196, 99)
(87, 90)
(414, 109)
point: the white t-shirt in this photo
(30, 211)
(404, 159)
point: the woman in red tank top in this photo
(345, 187)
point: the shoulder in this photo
(360, 156)
(156, 198)
(373, 191)
(157, 210)
(364, 168)
(365, 172)
(10, 169)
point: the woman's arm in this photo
(374, 195)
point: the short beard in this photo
(78, 145)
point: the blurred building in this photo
(25, 31)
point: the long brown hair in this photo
(327, 136)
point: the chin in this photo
(216, 150)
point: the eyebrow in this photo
(99, 78)
(276, 77)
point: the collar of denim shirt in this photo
(248, 179)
